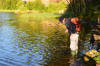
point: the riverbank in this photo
(94, 53)
(7, 10)
(37, 16)
(34, 15)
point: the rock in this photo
(92, 53)
(96, 37)
(86, 58)
(99, 19)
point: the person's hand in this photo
(66, 31)
(63, 21)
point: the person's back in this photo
(70, 26)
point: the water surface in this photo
(24, 42)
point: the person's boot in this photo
(74, 53)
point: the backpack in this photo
(78, 26)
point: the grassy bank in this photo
(7, 10)
(39, 16)
(33, 15)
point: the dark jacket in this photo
(70, 26)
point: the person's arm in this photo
(68, 26)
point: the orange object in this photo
(77, 24)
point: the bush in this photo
(35, 5)
(21, 5)
(56, 7)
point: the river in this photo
(24, 42)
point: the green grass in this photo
(39, 16)
(34, 16)
(7, 10)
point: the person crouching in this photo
(73, 27)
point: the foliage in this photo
(20, 5)
(55, 7)
(8, 4)
(34, 5)
(37, 5)
(83, 9)
(97, 58)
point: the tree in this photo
(77, 6)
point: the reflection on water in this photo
(29, 43)
(25, 43)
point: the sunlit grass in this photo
(39, 16)
(7, 10)
(33, 15)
